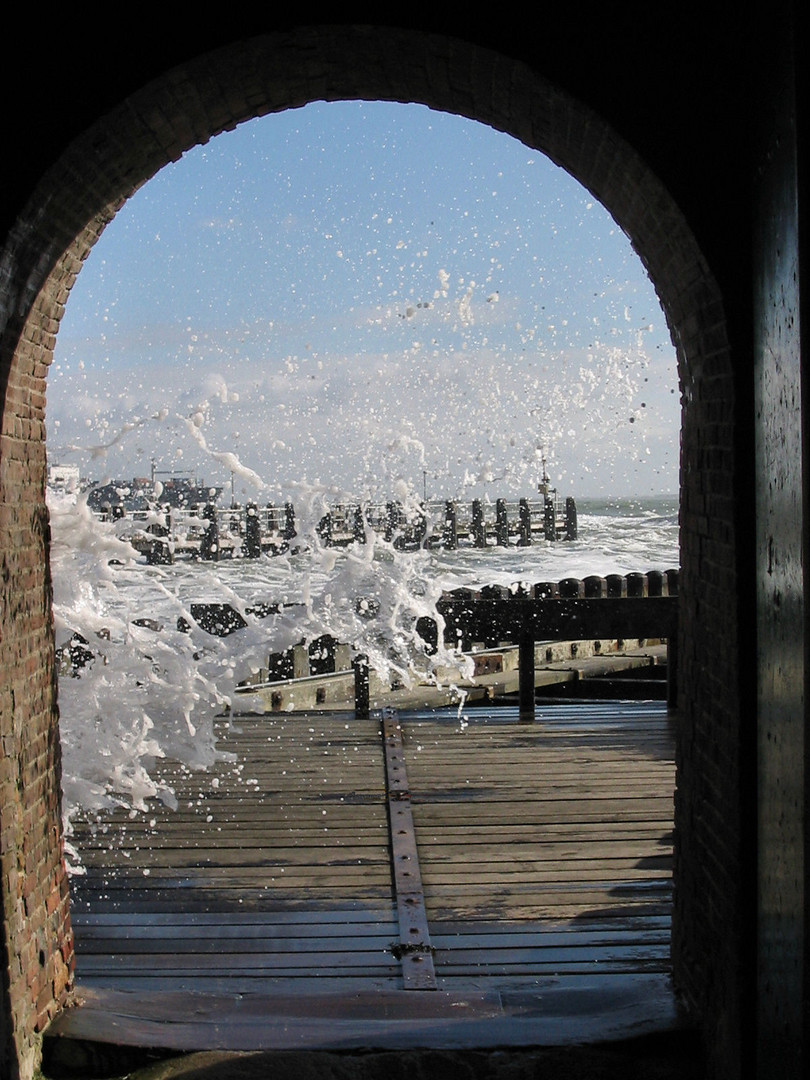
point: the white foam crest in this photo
(155, 679)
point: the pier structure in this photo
(357, 867)
(521, 639)
(213, 532)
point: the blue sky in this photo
(367, 296)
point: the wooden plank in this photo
(356, 915)
(220, 964)
(222, 944)
(544, 852)
(488, 793)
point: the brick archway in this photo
(38, 266)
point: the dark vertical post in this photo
(362, 695)
(616, 586)
(159, 553)
(325, 529)
(289, 521)
(636, 584)
(359, 527)
(672, 670)
(549, 520)
(543, 589)
(655, 583)
(526, 673)
(428, 631)
(570, 519)
(391, 518)
(571, 587)
(525, 523)
(594, 586)
(419, 526)
(322, 655)
(478, 527)
(253, 532)
(450, 525)
(501, 523)
(160, 550)
(209, 547)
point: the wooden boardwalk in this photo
(464, 880)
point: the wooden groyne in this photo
(617, 606)
(511, 634)
(602, 614)
(211, 533)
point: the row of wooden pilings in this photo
(253, 530)
(616, 607)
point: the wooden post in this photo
(543, 589)
(501, 523)
(450, 525)
(322, 655)
(361, 687)
(595, 586)
(359, 527)
(209, 547)
(253, 532)
(325, 529)
(616, 585)
(525, 523)
(526, 674)
(428, 631)
(549, 520)
(636, 584)
(160, 550)
(391, 519)
(159, 553)
(570, 519)
(289, 521)
(418, 526)
(672, 671)
(655, 583)
(478, 528)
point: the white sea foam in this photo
(152, 690)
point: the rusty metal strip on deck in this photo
(416, 952)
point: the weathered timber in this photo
(544, 857)
(561, 618)
(527, 619)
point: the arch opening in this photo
(353, 303)
(50, 248)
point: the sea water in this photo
(150, 680)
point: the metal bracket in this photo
(414, 951)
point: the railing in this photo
(614, 607)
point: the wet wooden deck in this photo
(280, 904)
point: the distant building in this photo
(64, 478)
(142, 492)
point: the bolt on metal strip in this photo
(415, 950)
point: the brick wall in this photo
(37, 943)
(37, 266)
